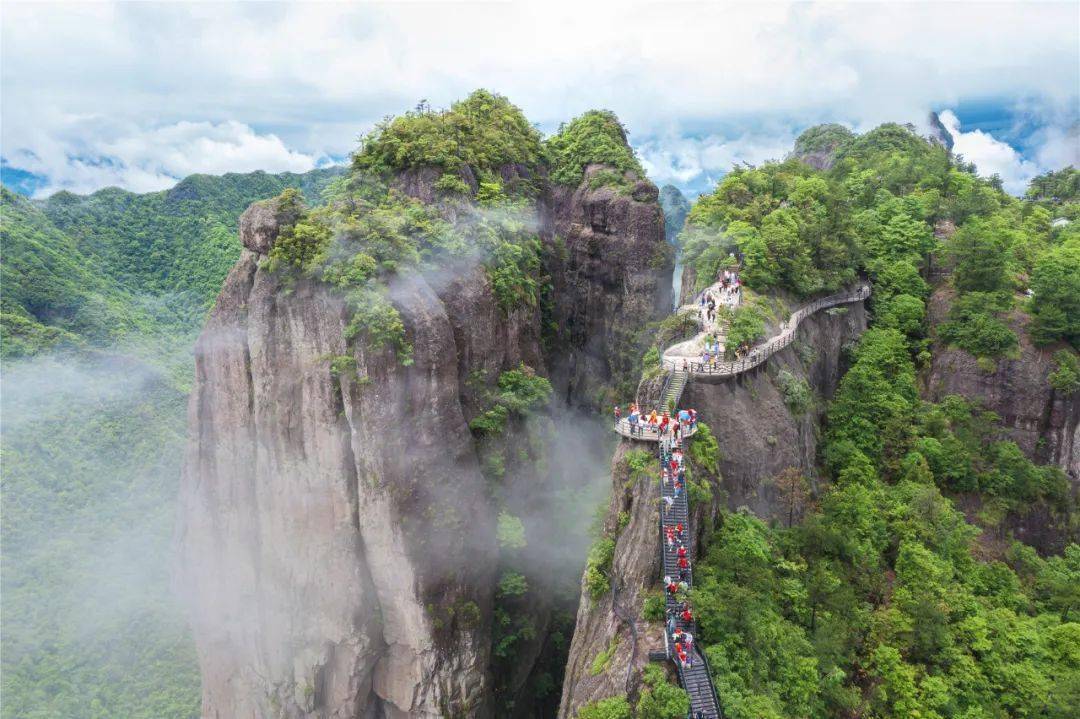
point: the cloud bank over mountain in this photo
(140, 94)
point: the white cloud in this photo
(1058, 147)
(85, 154)
(682, 160)
(317, 74)
(991, 156)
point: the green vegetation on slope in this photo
(597, 137)
(91, 464)
(784, 219)
(176, 245)
(827, 138)
(877, 603)
(875, 212)
(368, 233)
(102, 297)
(880, 602)
(54, 295)
(477, 137)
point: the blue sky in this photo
(139, 95)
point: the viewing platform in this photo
(645, 432)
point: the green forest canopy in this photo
(102, 296)
(879, 602)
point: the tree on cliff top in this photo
(484, 132)
(1056, 188)
(817, 146)
(597, 137)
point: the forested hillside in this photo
(102, 297)
(886, 599)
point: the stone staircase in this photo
(673, 389)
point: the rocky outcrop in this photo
(676, 207)
(336, 534)
(1044, 423)
(336, 531)
(635, 565)
(938, 132)
(819, 146)
(614, 623)
(610, 271)
(261, 222)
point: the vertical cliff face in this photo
(336, 547)
(1044, 423)
(610, 270)
(759, 436)
(599, 625)
(337, 534)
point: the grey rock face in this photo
(1044, 423)
(758, 435)
(261, 223)
(336, 536)
(676, 207)
(611, 274)
(331, 530)
(607, 621)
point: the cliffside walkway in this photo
(681, 369)
(674, 360)
(696, 676)
(696, 679)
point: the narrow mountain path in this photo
(694, 672)
(680, 357)
(681, 369)
(691, 349)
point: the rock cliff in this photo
(759, 436)
(1044, 423)
(337, 528)
(613, 623)
(610, 271)
(328, 572)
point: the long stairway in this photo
(696, 678)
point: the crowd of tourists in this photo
(727, 294)
(679, 613)
(666, 428)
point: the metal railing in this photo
(666, 387)
(759, 354)
(712, 684)
(645, 431)
(670, 602)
